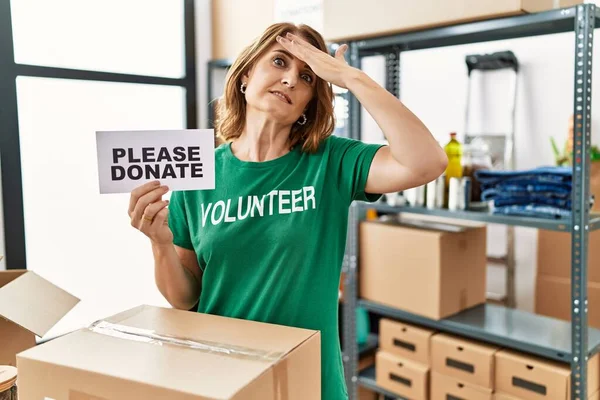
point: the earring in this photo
(243, 88)
(303, 121)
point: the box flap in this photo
(33, 303)
(11, 275)
(219, 351)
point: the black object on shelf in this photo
(366, 378)
(506, 327)
(562, 224)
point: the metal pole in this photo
(10, 149)
(190, 66)
(351, 259)
(584, 34)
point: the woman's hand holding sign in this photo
(149, 213)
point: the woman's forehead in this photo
(277, 48)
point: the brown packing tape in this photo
(149, 336)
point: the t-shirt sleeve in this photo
(351, 160)
(178, 221)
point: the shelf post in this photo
(584, 34)
(350, 303)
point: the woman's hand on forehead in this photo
(331, 69)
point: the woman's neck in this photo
(261, 140)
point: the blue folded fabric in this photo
(531, 210)
(541, 174)
(534, 200)
(558, 189)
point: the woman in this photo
(267, 244)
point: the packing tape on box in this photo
(149, 336)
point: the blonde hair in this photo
(231, 107)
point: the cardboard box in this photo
(404, 340)
(404, 377)
(429, 272)
(553, 299)
(463, 359)
(232, 359)
(366, 394)
(29, 306)
(233, 29)
(351, 19)
(533, 378)
(445, 387)
(502, 396)
(554, 254)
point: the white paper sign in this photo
(309, 12)
(180, 159)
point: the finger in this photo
(341, 51)
(294, 48)
(139, 192)
(143, 202)
(301, 41)
(153, 209)
(161, 218)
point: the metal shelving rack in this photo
(572, 342)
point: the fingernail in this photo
(167, 201)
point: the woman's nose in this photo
(289, 82)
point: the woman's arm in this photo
(177, 274)
(413, 156)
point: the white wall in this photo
(433, 85)
(77, 239)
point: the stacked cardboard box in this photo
(434, 269)
(420, 364)
(402, 363)
(553, 282)
(530, 378)
(461, 368)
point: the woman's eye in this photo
(279, 62)
(307, 78)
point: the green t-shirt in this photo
(270, 239)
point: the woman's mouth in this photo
(282, 96)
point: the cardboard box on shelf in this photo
(155, 353)
(533, 378)
(430, 272)
(404, 340)
(502, 396)
(29, 306)
(366, 394)
(404, 377)
(553, 299)
(445, 387)
(554, 254)
(350, 19)
(463, 359)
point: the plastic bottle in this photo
(454, 169)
